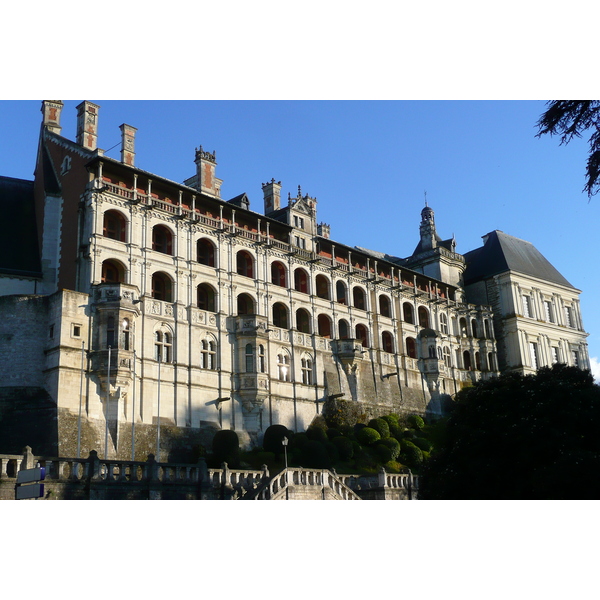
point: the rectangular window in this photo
(76, 330)
(549, 311)
(51, 332)
(554, 355)
(575, 358)
(568, 316)
(527, 306)
(534, 354)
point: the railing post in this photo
(28, 459)
(382, 478)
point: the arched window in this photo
(208, 355)
(344, 329)
(423, 317)
(205, 252)
(385, 306)
(112, 272)
(341, 292)
(467, 360)
(245, 264)
(322, 285)
(163, 343)
(358, 298)
(162, 287)
(301, 281)
(280, 315)
(324, 325)
(491, 362)
(303, 320)
(462, 325)
(206, 297)
(411, 347)
(283, 366)
(245, 305)
(114, 226)
(110, 332)
(407, 311)
(474, 328)
(249, 358)
(306, 365)
(362, 334)
(278, 274)
(387, 342)
(443, 323)
(162, 239)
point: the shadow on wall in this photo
(28, 417)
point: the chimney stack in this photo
(51, 110)
(272, 194)
(127, 144)
(87, 125)
(206, 182)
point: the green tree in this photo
(569, 119)
(520, 437)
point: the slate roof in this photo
(19, 253)
(502, 252)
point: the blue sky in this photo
(369, 164)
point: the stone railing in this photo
(95, 478)
(279, 486)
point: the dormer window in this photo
(298, 222)
(65, 166)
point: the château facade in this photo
(153, 313)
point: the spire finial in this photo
(425, 192)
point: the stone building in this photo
(164, 312)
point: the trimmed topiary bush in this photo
(226, 447)
(273, 437)
(410, 454)
(315, 455)
(416, 422)
(298, 440)
(333, 433)
(397, 431)
(393, 445)
(381, 426)
(316, 433)
(384, 454)
(344, 446)
(368, 436)
(422, 443)
(391, 420)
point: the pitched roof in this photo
(501, 252)
(19, 253)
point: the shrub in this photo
(332, 452)
(422, 443)
(298, 440)
(397, 431)
(409, 434)
(391, 420)
(410, 454)
(333, 433)
(416, 422)
(273, 437)
(384, 453)
(344, 446)
(368, 436)
(393, 445)
(381, 426)
(339, 413)
(226, 447)
(358, 427)
(316, 434)
(314, 455)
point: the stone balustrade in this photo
(93, 477)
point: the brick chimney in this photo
(128, 144)
(206, 182)
(51, 110)
(87, 125)
(272, 194)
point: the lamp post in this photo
(284, 442)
